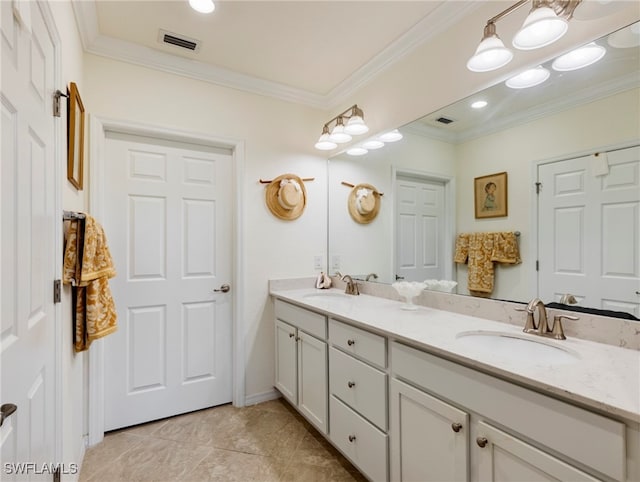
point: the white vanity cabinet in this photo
(301, 361)
(511, 433)
(358, 397)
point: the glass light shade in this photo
(338, 135)
(491, 54)
(579, 58)
(528, 78)
(202, 6)
(626, 38)
(373, 144)
(357, 151)
(541, 27)
(324, 144)
(391, 136)
(479, 104)
(356, 126)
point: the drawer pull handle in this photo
(351, 342)
(351, 384)
(456, 427)
(352, 438)
(291, 335)
(482, 442)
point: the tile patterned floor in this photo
(265, 442)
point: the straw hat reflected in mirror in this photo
(364, 203)
(286, 197)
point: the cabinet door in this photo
(505, 458)
(286, 362)
(312, 380)
(429, 438)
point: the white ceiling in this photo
(313, 52)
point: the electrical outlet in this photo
(335, 262)
(317, 262)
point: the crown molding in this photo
(419, 129)
(93, 42)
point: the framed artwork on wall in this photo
(75, 137)
(490, 195)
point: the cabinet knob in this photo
(352, 438)
(297, 338)
(482, 442)
(351, 342)
(456, 427)
(351, 384)
(291, 335)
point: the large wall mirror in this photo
(574, 135)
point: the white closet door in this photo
(27, 337)
(168, 220)
(589, 231)
(420, 210)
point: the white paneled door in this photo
(168, 220)
(589, 230)
(420, 233)
(27, 335)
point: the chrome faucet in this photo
(352, 286)
(542, 328)
(371, 275)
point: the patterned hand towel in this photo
(88, 266)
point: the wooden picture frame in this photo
(490, 195)
(75, 137)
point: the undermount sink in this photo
(327, 295)
(517, 347)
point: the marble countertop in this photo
(604, 377)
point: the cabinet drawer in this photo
(309, 321)
(360, 343)
(360, 386)
(565, 428)
(360, 441)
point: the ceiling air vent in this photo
(444, 120)
(178, 40)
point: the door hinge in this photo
(538, 187)
(56, 475)
(57, 291)
(56, 102)
(537, 265)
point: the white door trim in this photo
(98, 128)
(450, 211)
(534, 250)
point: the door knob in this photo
(6, 410)
(399, 277)
(224, 288)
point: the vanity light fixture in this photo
(547, 22)
(373, 144)
(202, 6)
(341, 132)
(357, 151)
(391, 136)
(579, 58)
(529, 78)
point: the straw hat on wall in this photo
(364, 203)
(286, 197)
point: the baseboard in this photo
(262, 397)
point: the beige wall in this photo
(599, 124)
